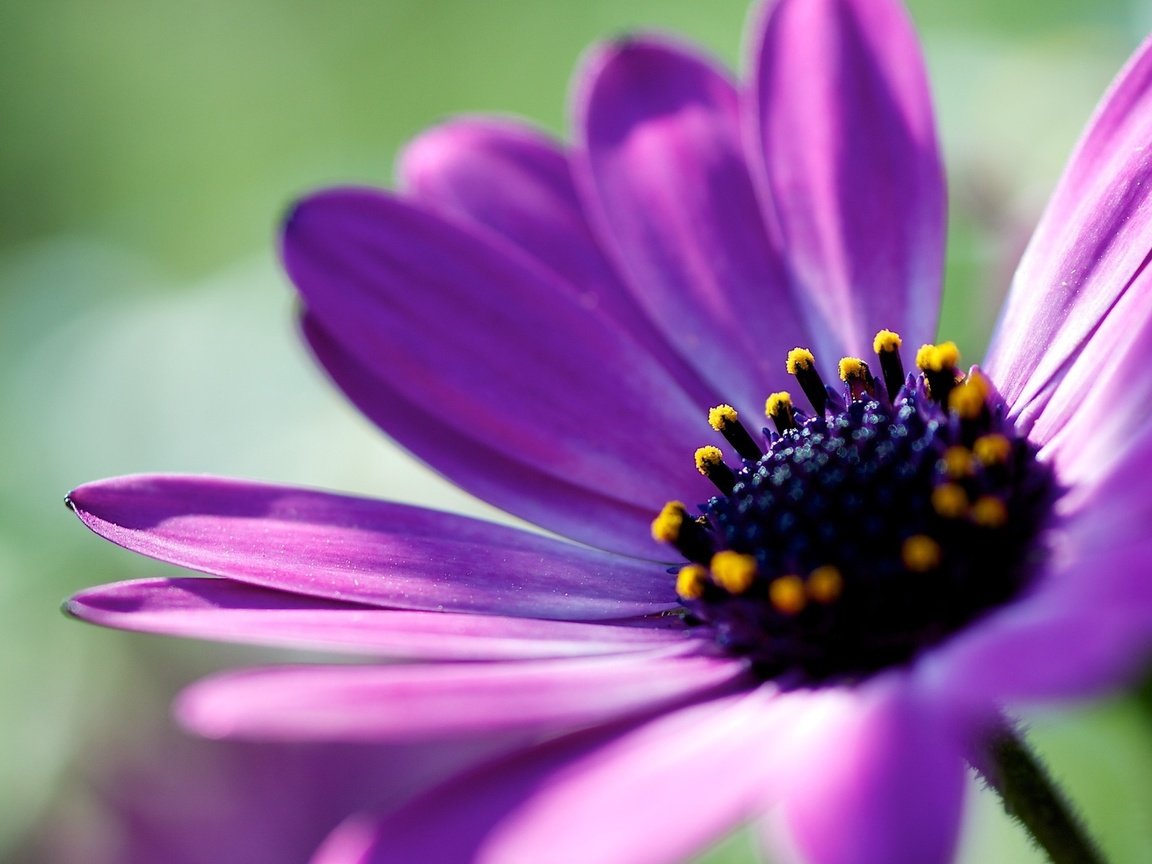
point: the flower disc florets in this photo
(889, 518)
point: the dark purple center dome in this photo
(893, 515)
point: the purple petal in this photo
(566, 505)
(662, 169)
(1112, 511)
(884, 781)
(1092, 243)
(373, 552)
(1096, 414)
(489, 343)
(236, 612)
(349, 843)
(505, 177)
(641, 795)
(843, 119)
(420, 702)
(509, 179)
(1069, 641)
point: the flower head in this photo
(865, 585)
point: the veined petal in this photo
(1100, 604)
(843, 146)
(1092, 243)
(566, 505)
(660, 163)
(404, 702)
(513, 180)
(481, 335)
(507, 178)
(1094, 418)
(631, 794)
(238, 612)
(884, 781)
(1113, 511)
(365, 551)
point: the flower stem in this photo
(1032, 798)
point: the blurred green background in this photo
(148, 150)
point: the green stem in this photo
(1032, 798)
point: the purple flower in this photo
(864, 586)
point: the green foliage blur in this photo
(148, 151)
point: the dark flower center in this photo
(896, 513)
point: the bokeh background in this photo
(147, 152)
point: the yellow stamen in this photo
(924, 355)
(852, 368)
(950, 500)
(968, 400)
(948, 355)
(920, 553)
(733, 571)
(886, 340)
(778, 402)
(667, 524)
(825, 584)
(979, 379)
(992, 449)
(787, 594)
(721, 416)
(800, 358)
(989, 512)
(691, 581)
(707, 458)
(958, 462)
(938, 358)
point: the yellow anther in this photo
(938, 358)
(721, 416)
(733, 571)
(924, 355)
(825, 584)
(852, 367)
(708, 458)
(980, 380)
(691, 581)
(950, 500)
(800, 358)
(886, 340)
(947, 355)
(920, 553)
(776, 403)
(958, 462)
(666, 526)
(990, 512)
(992, 449)
(787, 594)
(968, 399)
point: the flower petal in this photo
(356, 549)
(660, 163)
(1092, 419)
(237, 612)
(1021, 652)
(632, 794)
(510, 179)
(484, 339)
(565, 505)
(505, 177)
(407, 702)
(877, 777)
(1040, 652)
(850, 166)
(1092, 243)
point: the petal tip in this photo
(71, 608)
